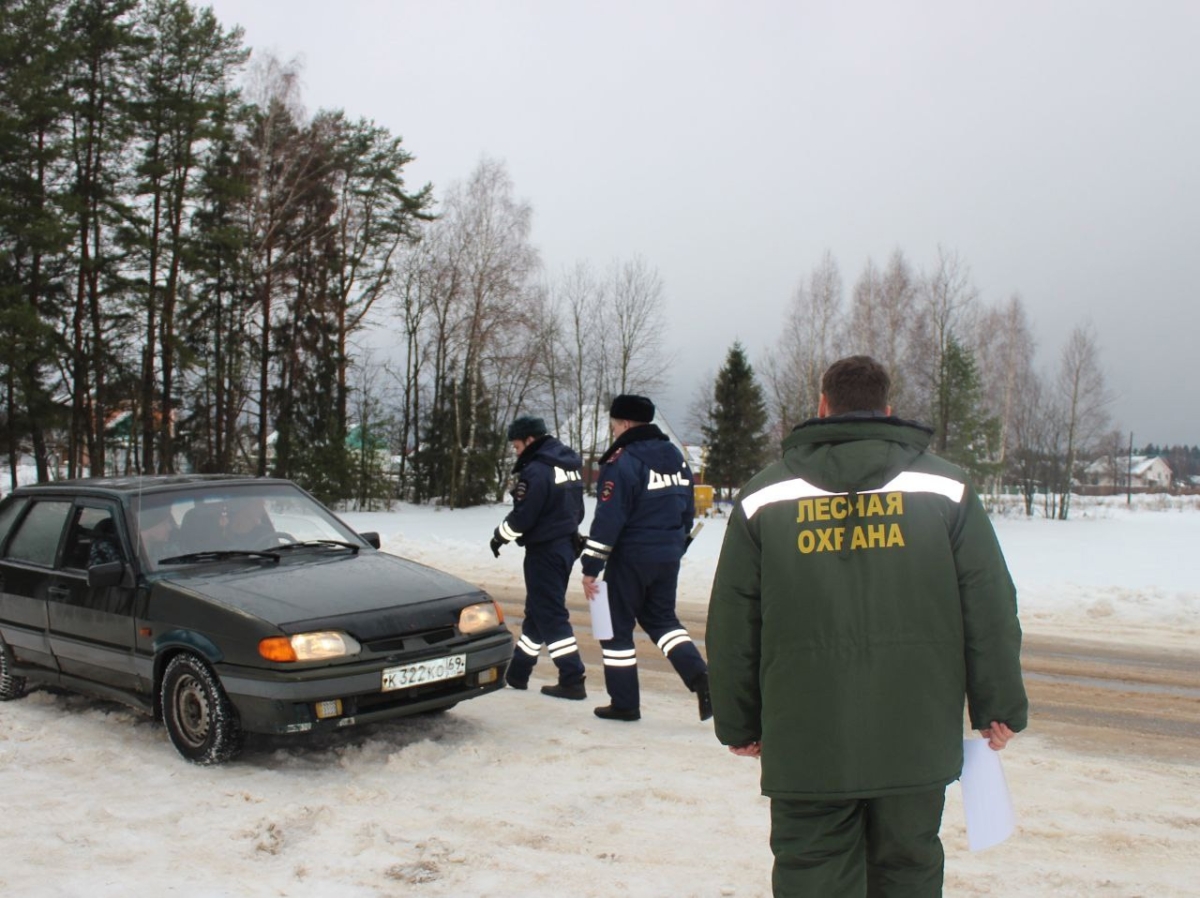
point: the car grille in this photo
(412, 641)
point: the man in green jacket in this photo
(860, 595)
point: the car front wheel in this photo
(11, 686)
(201, 722)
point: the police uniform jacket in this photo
(548, 494)
(644, 505)
(860, 595)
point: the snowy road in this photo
(1108, 696)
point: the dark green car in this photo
(226, 605)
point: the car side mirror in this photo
(372, 538)
(108, 574)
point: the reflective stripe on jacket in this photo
(645, 502)
(548, 495)
(861, 594)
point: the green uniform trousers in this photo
(884, 847)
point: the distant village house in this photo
(1139, 473)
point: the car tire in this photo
(11, 686)
(201, 722)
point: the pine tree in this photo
(34, 229)
(180, 102)
(101, 41)
(735, 436)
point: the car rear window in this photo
(9, 512)
(37, 536)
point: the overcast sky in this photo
(1055, 147)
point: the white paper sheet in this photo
(987, 804)
(601, 614)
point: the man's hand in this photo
(496, 543)
(590, 588)
(997, 735)
(749, 750)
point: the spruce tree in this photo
(735, 436)
(965, 433)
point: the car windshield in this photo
(226, 518)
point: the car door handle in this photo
(58, 592)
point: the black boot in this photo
(575, 691)
(608, 712)
(703, 698)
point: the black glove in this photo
(496, 543)
(686, 543)
(577, 542)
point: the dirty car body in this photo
(228, 605)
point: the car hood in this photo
(310, 588)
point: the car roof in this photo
(123, 487)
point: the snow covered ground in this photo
(518, 794)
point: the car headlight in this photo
(479, 617)
(318, 646)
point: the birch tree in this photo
(581, 353)
(481, 281)
(636, 299)
(947, 301)
(1005, 357)
(1084, 399)
(880, 324)
(812, 333)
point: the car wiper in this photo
(217, 555)
(318, 544)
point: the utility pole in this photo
(1129, 473)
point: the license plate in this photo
(421, 672)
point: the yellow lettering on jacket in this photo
(863, 536)
(837, 508)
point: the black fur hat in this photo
(526, 426)
(628, 407)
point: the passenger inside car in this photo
(201, 530)
(105, 547)
(158, 532)
(249, 525)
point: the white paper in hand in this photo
(601, 614)
(987, 804)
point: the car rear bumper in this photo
(273, 701)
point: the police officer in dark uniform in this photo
(547, 511)
(644, 511)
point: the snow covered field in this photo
(518, 794)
